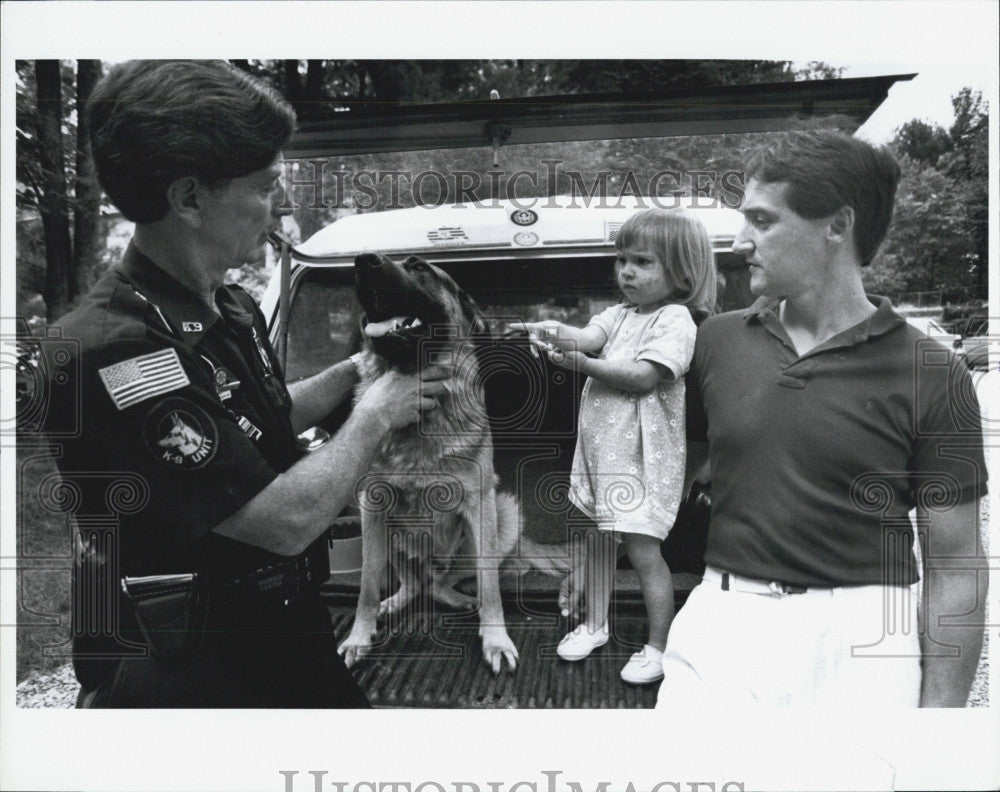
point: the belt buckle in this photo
(781, 589)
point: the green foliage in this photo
(55, 182)
(968, 135)
(27, 158)
(818, 70)
(613, 76)
(926, 248)
(305, 83)
(938, 237)
(923, 142)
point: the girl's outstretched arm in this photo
(635, 376)
(551, 334)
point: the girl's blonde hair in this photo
(681, 241)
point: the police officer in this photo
(201, 529)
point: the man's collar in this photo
(759, 307)
(184, 310)
(885, 318)
(882, 321)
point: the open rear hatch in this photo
(431, 658)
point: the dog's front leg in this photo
(492, 627)
(403, 558)
(374, 557)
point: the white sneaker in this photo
(644, 666)
(581, 642)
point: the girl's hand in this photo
(545, 335)
(567, 359)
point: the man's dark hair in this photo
(153, 122)
(827, 169)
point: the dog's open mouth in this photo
(396, 324)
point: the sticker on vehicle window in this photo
(524, 217)
(447, 234)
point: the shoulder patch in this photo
(180, 434)
(143, 377)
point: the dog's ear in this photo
(477, 322)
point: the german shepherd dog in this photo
(434, 483)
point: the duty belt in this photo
(280, 583)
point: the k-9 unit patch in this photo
(180, 434)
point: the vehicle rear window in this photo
(324, 324)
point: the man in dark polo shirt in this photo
(201, 528)
(828, 419)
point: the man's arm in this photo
(298, 505)
(954, 590)
(316, 397)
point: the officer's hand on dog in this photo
(400, 399)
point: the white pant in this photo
(843, 647)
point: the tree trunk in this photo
(88, 191)
(385, 79)
(314, 84)
(53, 204)
(292, 82)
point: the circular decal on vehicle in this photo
(180, 434)
(525, 238)
(524, 217)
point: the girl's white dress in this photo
(628, 469)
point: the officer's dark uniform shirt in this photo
(184, 419)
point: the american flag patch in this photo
(144, 377)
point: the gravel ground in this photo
(979, 696)
(57, 691)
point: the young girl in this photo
(628, 469)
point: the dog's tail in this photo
(520, 553)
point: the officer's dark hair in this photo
(828, 169)
(153, 122)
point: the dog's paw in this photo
(354, 648)
(497, 645)
(396, 603)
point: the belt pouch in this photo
(171, 611)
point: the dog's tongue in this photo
(379, 329)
